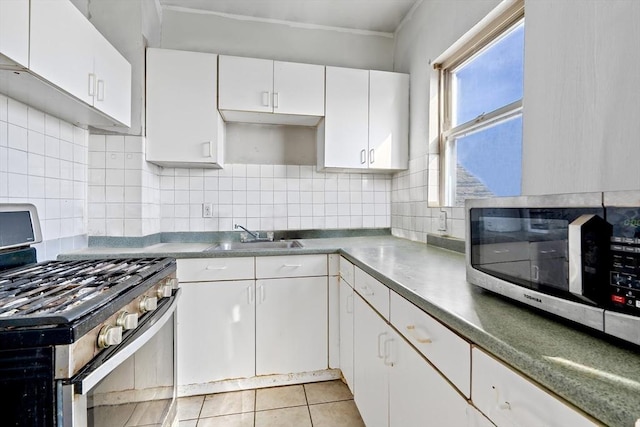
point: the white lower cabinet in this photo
(418, 394)
(216, 331)
(370, 370)
(234, 327)
(346, 332)
(509, 399)
(291, 325)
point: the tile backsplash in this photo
(43, 160)
(272, 197)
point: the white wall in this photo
(204, 32)
(581, 96)
(434, 26)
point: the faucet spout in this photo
(255, 235)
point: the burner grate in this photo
(57, 292)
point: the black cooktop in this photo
(56, 293)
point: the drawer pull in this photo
(367, 291)
(501, 251)
(214, 267)
(292, 265)
(413, 331)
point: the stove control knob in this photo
(109, 335)
(127, 320)
(148, 304)
(173, 282)
(165, 290)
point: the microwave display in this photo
(624, 292)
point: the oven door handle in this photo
(100, 367)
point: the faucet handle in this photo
(244, 236)
(270, 236)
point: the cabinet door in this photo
(508, 399)
(113, 81)
(246, 84)
(61, 47)
(346, 118)
(298, 88)
(183, 123)
(14, 30)
(417, 392)
(388, 120)
(370, 374)
(346, 332)
(216, 331)
(291, 325)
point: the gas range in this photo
(66, 326)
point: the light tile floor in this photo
(323, 404)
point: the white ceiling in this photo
(368, 15)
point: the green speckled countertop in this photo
(597, 375)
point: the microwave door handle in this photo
(576, 278)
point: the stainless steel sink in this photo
(248, 246)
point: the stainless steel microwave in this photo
(574, 255)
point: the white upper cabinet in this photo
(112, 79)
(62, 47)
(366, 125)
(14, 31)
(65, 66)
(265, 91)
(298, 89)
(184, 127)
(345, 127)
(246, 84)
(388, 120)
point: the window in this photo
(481, 87)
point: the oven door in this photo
(132, 384)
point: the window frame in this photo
(488, 32)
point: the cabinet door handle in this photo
(388, 359)
(211, 149)
(101, 89)
(363, 156)
(350, 303)
(412, 330)
(262, 294)
(371, 156)
(291, 265)
(276, 97)
(380, 345)
(216, 267)
(250, 295)
(92, 84)
(265, 98)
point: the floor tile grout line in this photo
(304, 388)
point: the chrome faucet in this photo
(256, 235)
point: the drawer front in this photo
(212, 269)
(291, 266)
(509, 399)
(446, 350)
(374, 292)
(347, 271)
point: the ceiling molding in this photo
(283, 22)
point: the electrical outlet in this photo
(207, 210)
(442, 221)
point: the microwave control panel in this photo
(624, 290)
